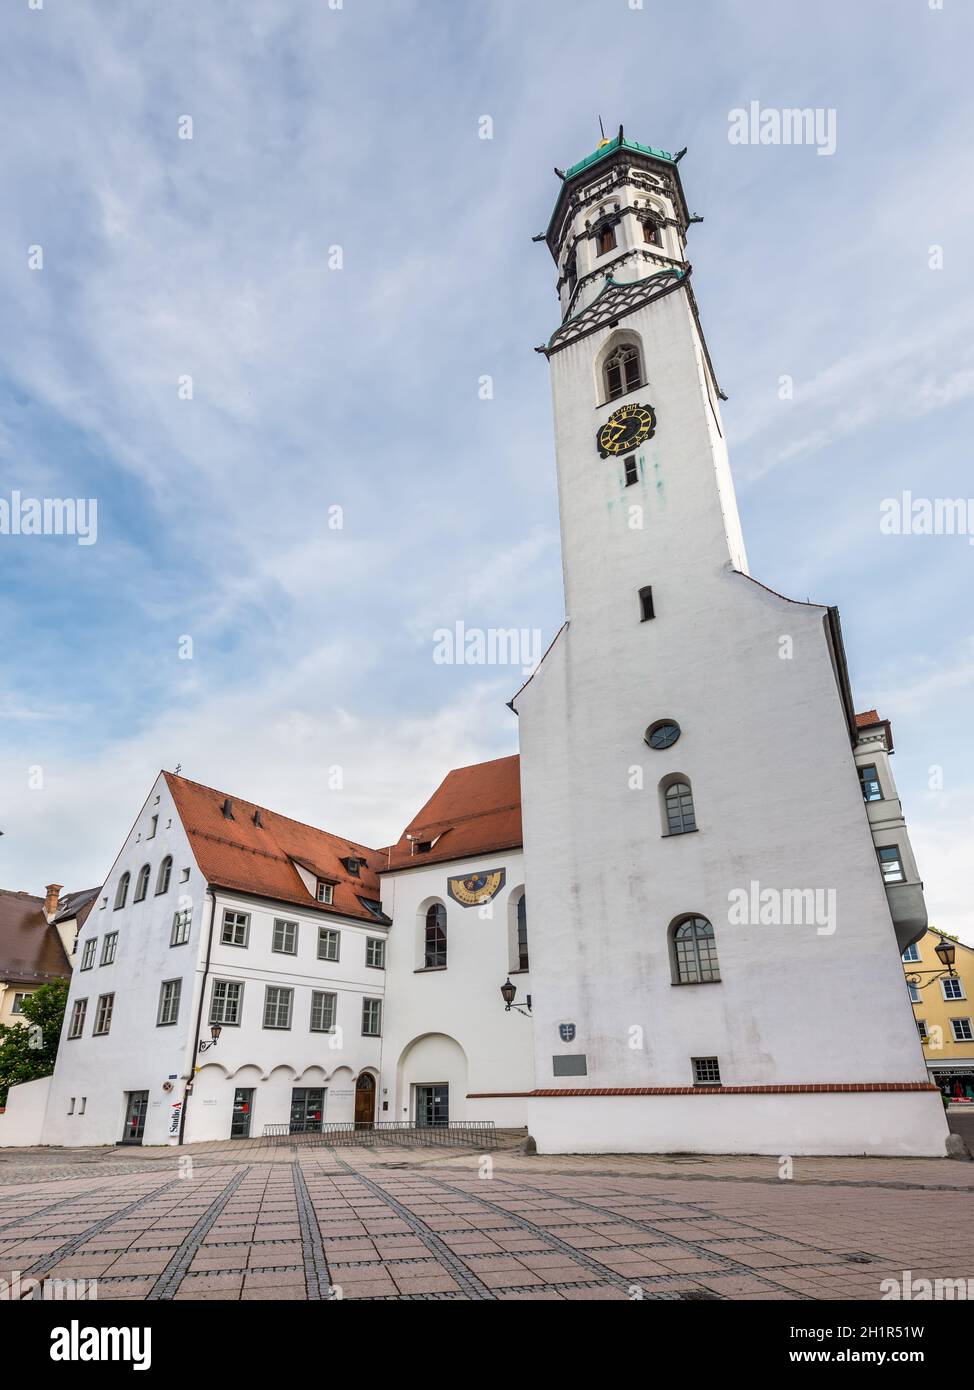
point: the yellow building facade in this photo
(944, 1012)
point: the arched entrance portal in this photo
(365, 1101)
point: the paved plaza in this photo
(242, 1221)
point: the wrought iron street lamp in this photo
(215, 1031)
(945, 952)
(509, 993)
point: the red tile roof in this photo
(867, 718)
(30, 950)
(238, 854)
(475, 810)
(870, 718)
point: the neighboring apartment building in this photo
(37, 939)
(944, 1012)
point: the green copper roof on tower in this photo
(607, 147)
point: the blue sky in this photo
(357, 127)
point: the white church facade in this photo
(697, 872)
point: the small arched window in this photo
(434, 956)
(571, 273)
(165, 873)
(678, 801)
(623, 371)
(142, 883)
(122, 891)
(522, 933)
(694, 952)
(606, 238)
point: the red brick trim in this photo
(828, 1088)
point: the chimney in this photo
(53, 894)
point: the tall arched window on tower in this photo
(693, 952)
(605, 239)
(678, 810)
(571, 273)
(434, 957)
(651, 232)
(522, 933)
(622, 371)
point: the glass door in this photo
(307, 1110)
(138, 1104)
(432, 1105)
(243, 1106)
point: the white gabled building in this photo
(221, 914)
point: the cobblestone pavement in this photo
(243, 1221)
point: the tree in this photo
(28, 1049)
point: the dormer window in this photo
(423, 846)
(326, 892)
(352, 865)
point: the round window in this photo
(663, 734)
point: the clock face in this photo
(471, 890)
(625, 429)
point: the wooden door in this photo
(365, 1101)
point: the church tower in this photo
(715, 955)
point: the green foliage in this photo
(28, 1049)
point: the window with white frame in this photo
(323, 1010)
(88, 953)
(103, 1014)
(17, 1007)
(236, 928)
(922, 1029)
(77, 1025)
(226, 1003)
(911, 953)
(371, 1018)
(277, 1006)
(108, 948)
(169, 995)
(285, 939)
(328, 943)
(153, 825)
(952, 988)
(375, 952)
(961, 1029)
(182, 925)
(914, 993)
(326, 892)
